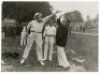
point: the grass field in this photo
(85, 46)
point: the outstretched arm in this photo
(48, 17)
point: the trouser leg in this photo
(39, 47)
(45, 50)
(51, 43)
(62, 59)
(50, 51)
(28, 46)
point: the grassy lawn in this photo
(86, 47)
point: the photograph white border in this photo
(52, 72)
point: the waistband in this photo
(35, 31)
(49, 35)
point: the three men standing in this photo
(36, 27)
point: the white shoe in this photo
(22, 61)
(50, 59)
(44, 59)
(42, 63)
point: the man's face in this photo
(50, 23)
(39, 18)
(63, 21)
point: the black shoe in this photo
(59, 66)
(67, 68)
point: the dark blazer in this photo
(62, 33)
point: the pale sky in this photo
(86, 8)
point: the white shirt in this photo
(24, 29)
(37, 26)
(50, 30)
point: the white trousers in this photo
(34, 37)
(62, 59)
(49, 43)
(23, 38)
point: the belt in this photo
(50, 35)
(35, 31)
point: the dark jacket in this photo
(62, 34)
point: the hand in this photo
(58, 11)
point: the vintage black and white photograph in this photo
(49, 36)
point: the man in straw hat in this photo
(36, 27)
